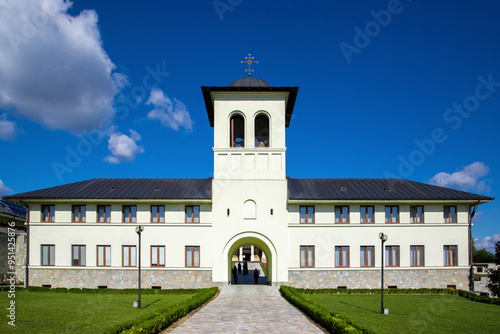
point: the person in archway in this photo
(245, 268)
(256, 276)
(235, 275)
(239, 268)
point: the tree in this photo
(495, 273)
(482, 256)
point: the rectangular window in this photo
(192, 256)
(48, 255)
(307, 256)
(307, 214)
(391, 214)
(157, 213)
(342, 256)
(104, 256)
(192, 213)
(79, 213)
(450, 255)
(367, 214)
(367, 256)
(416, 214)
(450, 214)
(48, 213)
(157, 256)
(104, 213)
(129, 256)
(392, 256)
(417, 256)
(341, 215)
(130, 214)
(78, 256)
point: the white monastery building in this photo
(314, 233)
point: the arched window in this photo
(261, 131)
(237, 131)
(249, 209)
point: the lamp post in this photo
(383, 238)
(139, 230)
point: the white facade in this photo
(250, 205)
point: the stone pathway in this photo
(248, 278)
(248, 309)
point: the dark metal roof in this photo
(125, 189)
(207, 96)
(12, 209)
(373, 189)
(249, 82)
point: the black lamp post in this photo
(383, 238)
(139, 230)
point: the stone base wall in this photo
(370, 279)
(120, 279)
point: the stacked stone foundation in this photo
(370, 279)
(121, 279)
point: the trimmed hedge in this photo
(330, 320)
(155, 322)
(462, 293)
(115, 291)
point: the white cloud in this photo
(487, 243)
(3, 189)
(123, 147)
(171, 114)
(7, 128)
(53, 69)
(465, 179)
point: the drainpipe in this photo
(471, 270)
(26, 275)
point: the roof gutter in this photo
(26, 275)
(472, 213)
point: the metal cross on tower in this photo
(249, 61)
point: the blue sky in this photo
(387, 89)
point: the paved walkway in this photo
(248, 309)
(248, 278)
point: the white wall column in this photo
(240, 257)
(252, 256)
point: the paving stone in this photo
(248, 309)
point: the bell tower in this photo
(249, 118)
(249, 188)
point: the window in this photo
(342, 256)
(237, 131)
(48, 255)
(341, 215)
(192, 256)
(129, 256)
(249, 210)
(391, 214)
(417, 256)
(306, 256)
(129, 214)
(450, 214)
(261, 131)
(392, 256)
(192, 213)
(48, 213)
(103, 256)
(78, 256)
(157, 213)
(307, 214)
(416, 214)
(367, 214)
(79, 213)
(450, 255)
(367, 256)
(157, 256)
(104, 213)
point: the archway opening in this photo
(256, 255)
(261, 131)
(237, 131)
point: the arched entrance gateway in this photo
(258, 240)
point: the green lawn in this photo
(39, 312)
(415, 314)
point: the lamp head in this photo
(139, 229)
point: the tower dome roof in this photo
(249, 82)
